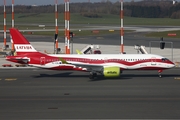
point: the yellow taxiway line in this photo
(10, 79)
(177, 78)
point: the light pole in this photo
(164, 42)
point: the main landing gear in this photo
(92, 75)
(159, 72)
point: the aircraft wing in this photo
(89, 67)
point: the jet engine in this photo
(111, 71)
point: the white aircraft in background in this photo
(110, 65)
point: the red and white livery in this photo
(110, 65)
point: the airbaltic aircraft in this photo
(109, 65)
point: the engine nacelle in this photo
(111, 72)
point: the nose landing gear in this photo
(159, 72)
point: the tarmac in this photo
(33, 94)
(47, 47)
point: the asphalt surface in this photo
(45, 94)
(130, 39)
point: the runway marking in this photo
(82, 38)
(53, 108)
(99, 38)
(177, 78)
(10, 79)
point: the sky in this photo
(48, 2)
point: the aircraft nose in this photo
(172, 65)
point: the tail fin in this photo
(21, 44)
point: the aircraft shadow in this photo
(150, 75)
(65, 74)
(101, 77)
(70, 75)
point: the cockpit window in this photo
(164, 59)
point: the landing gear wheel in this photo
(92, 75)
(160, 73)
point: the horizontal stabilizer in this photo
(18, 59)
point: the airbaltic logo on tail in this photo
(24, 48)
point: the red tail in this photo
(21, 44)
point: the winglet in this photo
(78, 52)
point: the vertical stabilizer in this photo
(21, 44)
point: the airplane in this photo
(109, 65)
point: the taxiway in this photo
(44, 94)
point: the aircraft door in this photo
(153, 61)
(105, 60)
(42, 60)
